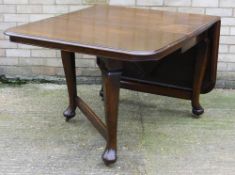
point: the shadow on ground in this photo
(156, 135)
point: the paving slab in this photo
(156, 135)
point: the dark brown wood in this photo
(211, 70)
(68, 60)
(94, 119)
(111, 73)
(157, 89)
(121, 33)
(199, 75)
(166, 53)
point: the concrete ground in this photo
(156, 135)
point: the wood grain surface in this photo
(130, 31)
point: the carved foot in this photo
(197, 111)
(69, 113)
(109, 156)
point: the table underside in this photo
(176, 70)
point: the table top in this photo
(117, 30)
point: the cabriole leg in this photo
(111, 82)
(200, 68)
(68, 59)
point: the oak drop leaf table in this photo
(158, 52)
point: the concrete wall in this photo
(17, 60)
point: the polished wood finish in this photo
(92, 117)
(159, 89)
(111, 74)
(158, 52)
(200, 68)
(68, 60)
(116, 32)
(211, 70)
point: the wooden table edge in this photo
(111, 53)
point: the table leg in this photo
(68, 59)
(200, 68)
(111, 81)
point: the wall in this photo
(17, 60)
